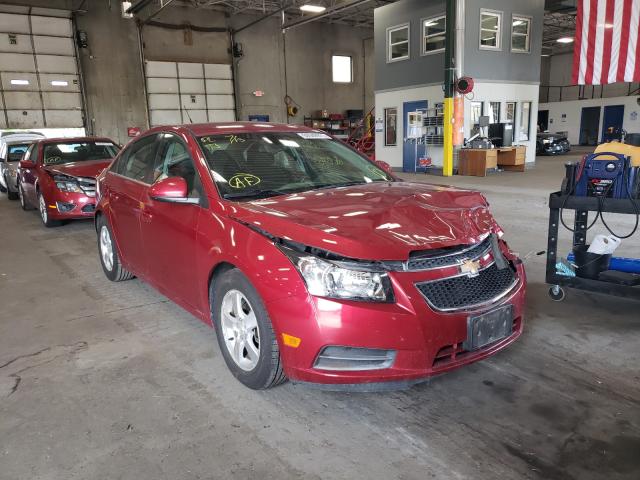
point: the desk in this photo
(512, 159)
(476, 161)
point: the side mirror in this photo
(384, 165)
(27, 164)
(171, 190)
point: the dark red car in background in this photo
(58, 176)
(310, 261)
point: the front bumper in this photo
(71, 206)
(426, 342)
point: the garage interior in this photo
(114, 380)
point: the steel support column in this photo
(449, 78)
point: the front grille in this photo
(462, 292)
(446, 257)
(88, 186)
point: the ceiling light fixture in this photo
(19, 82)
(313, 8)
(565, 40)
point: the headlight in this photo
(547, 140)
(67, 184)
(325, 278)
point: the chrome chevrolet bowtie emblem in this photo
(470, 268)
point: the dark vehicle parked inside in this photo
(552, 144)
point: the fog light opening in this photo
(354, 358)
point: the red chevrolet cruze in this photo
(58, 175)
(311, 262)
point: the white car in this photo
(13, 146)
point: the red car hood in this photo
(376, 221)
(89, 168)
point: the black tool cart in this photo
(581, 206)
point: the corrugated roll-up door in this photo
(39, 81)
(182, 92)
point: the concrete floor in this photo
(112, 381)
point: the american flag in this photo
(606, 42)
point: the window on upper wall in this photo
(490, 29)
(398, 43)
(494, 112)
(342, 69)
(390, 126)
(433, 34)
(511, 112)
(525, 121)
(520, 33)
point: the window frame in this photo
(529, 20)
(476, 122)
(395, 28)
(492, 111)
(424, 36)
(499, 15)
(395, 143)
(351, 76)
(522, 109)
(515, 112)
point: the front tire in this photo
(109, 258)
(44, 213)
(244, 331)
(23, 201)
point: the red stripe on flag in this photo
(608, 40)
(577, 46)
(624, 40)
(591, 42)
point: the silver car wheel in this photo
(240, 330)
(106, 248)
(43, 209)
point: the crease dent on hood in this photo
(372, 226)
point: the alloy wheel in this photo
(240, 330)
(106, 248)
(42, 205)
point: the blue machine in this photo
(607, 175)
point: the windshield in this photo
(16, 151)
(67, 152)
(251, 165)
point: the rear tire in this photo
(109, 258)
(244, 331)
(44, 213)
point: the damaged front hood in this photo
(88, 168)
(375, 221)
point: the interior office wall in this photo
(565, 116)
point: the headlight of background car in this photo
(67, 184)
(341, 280)
(547, 140)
